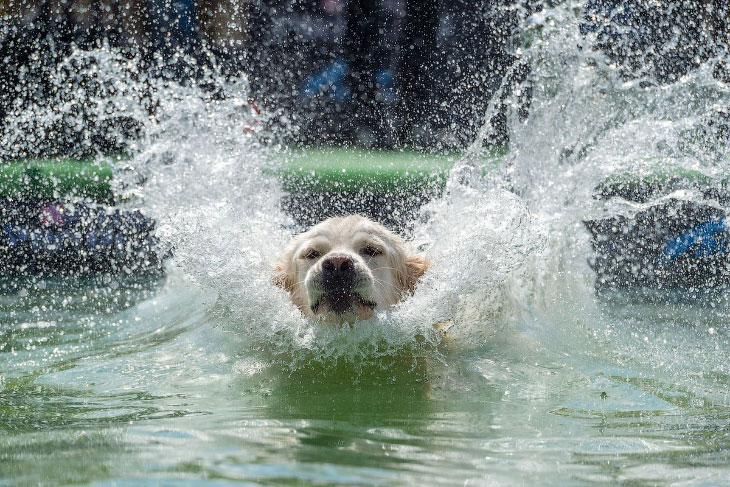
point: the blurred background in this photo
(374, 73)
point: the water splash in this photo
(589, 119)
(200, 162)
(206, 179)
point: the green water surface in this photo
(135, 383)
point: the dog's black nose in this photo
(339, 274)
(338, 265)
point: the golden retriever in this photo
(345, 268)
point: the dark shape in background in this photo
(660, 41)
(378, 73)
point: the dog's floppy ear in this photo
(282, 278)
(416, 266)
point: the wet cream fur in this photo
(383, 279)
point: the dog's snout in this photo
(338, 265)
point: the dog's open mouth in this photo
(341, 303)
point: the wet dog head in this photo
(345, 268)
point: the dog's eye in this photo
(312, 254)
(371, 251)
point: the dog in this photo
(346, 268)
